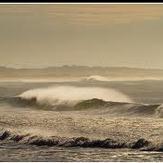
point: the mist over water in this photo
(72, 94)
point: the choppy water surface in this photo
(34, 153)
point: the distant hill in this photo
(79, 71)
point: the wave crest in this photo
(94, 106)
(72, 95)
(96, 78)
(141, 143)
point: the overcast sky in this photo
(94, 35)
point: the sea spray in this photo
(71, 95)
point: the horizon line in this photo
(61, 66)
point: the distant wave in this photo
(100, 78)
(142, 144)
(95, 78)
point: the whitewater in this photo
(86, 120)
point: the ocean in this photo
(85, 120)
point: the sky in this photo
(43, 35)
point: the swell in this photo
(97, 106)
(142, 144)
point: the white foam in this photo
(71, 94)
(97, 78)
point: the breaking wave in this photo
(141, 144)
(95, 100)
(95, 78)
(72, 95)
(95, 106)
